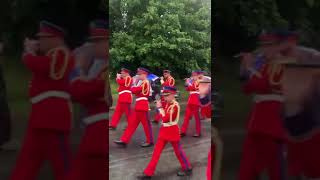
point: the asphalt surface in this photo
(127, 163)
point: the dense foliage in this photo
(161, 34)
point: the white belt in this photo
(48, 94)
(141, 98)
(268, 97)
(95, 118)
(124, 91)
(168, 124)
(194, 92)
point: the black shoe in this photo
(155, 122)
(182, 134)
(144, 145)
(120, 143)
(197, 135)
(187, 172)
(143, 177)
(112, 128)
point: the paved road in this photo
(126, 164)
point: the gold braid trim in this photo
(54, 53)
(171, 110)
(145, 87)
(196, 84)
(172, 82)
(127, 81)
(273, 71)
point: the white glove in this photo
(118, 76)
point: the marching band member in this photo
(47, 136)
(193, 105)
(206, 109)
(140, 113)
(92, 156)
(205, 97)
(166, 80)
(168, 133)
(124, 81)
(262, 149)
(90, 162)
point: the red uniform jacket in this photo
(266, 117)
(142, 93)
(125, 95)
(50, 73)
(168, 81)
(193, 89)
(91, 93)
(170, 113)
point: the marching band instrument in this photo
(188, 81)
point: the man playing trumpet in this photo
(165, 80)
(47, 136)
(124, 81)
(193, 105)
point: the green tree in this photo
(161, 34)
